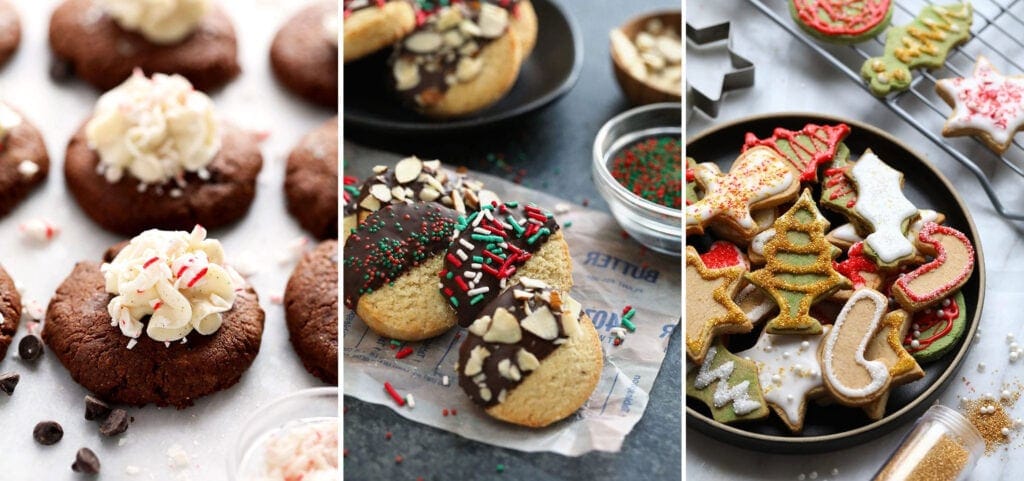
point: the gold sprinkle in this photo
(989, 424)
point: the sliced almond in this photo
(398, 193)
(454, 39)
(408, 169)
(449, 18)
(526, 360)
(428, 194)
(670, 48)
(457, 203)
(485, 393)
(503, 369)
(504, 328)
(541, 323)
(432, 165)
(380, 169)
(425, 41)
(570, 317)
(381, 192)
(469, 68)
(653, 61)
(469, 48)
(492, 20)
(480, 326)
(471, 200)
(475, 363)
(521, 295)
(370, 203)
(645, 41)
(502, 395)
(531, 283)
(469, 28)
(407, 75)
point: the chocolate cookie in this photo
(120, 207)
(303, 57)
(96, 49)
(78, 331)
(10, 311)
(24, 164)
(311, 181)
(311, 309)
(10, 32)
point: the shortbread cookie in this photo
(850, 377)
(494, 247)
(311, 181)
(728, 385)
(843, 21)
(24, 163)
(759, 178)
(103, 41)
(461, 60)
(311, 311)
(10, 311)
(754, 302)
(129, 346)
(692, 193)
(937, 329)
(710, 309)
(10, 32)
(533, 356)
(887, 347)
(988, 105)
(805, 149)
(523, 21)
(416, 180)
(924, 42)
(799, 270)
(391, 262)
(950, 269)
(789, 373)
(371, 25)
(304, 54)
(886, 212)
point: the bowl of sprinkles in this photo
(638, 170)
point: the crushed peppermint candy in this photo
(39, 230)
(293, 251)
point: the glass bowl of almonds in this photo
(647, 54)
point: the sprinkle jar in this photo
(943, 446)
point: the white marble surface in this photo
(791, 77)
(206, 431)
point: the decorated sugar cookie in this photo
(885, 210)
(887, 347)
(759, 178)
(850, 377)
(847, 235)
(691, 181)
(789, 373)
(723, 254)
(987, 104)
(924, 42)
(710, 310)
(842, 21)
(937, 329)
(753, 301)
(838, 193)
(859, 269)
(799, 271)
(950, 269)
(729, 386)
(806, 149)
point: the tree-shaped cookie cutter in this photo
(740, 77)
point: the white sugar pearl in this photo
(802, 477)
(1014, 346)
(1009, 336)
(915, 344)
(1005, 431)
(813, 475)
(1005, 394)
(917, 334)
(940, 313)
(1014, 355)
(945, 302)
(988, 397)
(916, 326)
(835, 471)
(981, 367)
(805, 344)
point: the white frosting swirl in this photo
(157, 129)
(308, 452)
(331, 27)
(176, 278)
(160, 21)
(9, 119)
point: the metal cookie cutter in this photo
(741, 76)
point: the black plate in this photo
(550, 72)
(828, 428)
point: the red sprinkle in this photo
(398, 459)
(394, 394)
(387, 435)
(444, 412)
(403, 353)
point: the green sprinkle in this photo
(629, 315)
(542, 231)
(396, 342)
(629, 325)
(567, 224)
(454, 301)
(501, 468)
(511, 204)
(475, 300)
(515, 225)
(478, 258)
(487, 238)
(449, 275)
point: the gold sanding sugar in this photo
(943, 462)
(990, 425)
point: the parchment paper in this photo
(609, 271)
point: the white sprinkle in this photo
(945, 302)
(176, 192)
(469, 274)
(132, 469)
(203, 174)
(915, 344)
(481, 230)
(410, 401)
(804, 345)
(561, 208)
(445, 381)
(802, 477)
(477, 291)
(475, 265)
(39, 230)
(981, 367)
(462, 254)
(835, 471)
(28, 168)
(132, 343)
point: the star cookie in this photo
(710, 309)
(987, 104)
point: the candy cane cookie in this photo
(391, 262)
(950, 268)
(887, 347)
(850, 377)
(532, 357)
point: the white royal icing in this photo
(880, 201)
(741, 402)
(877, 370)
(757, 175)
(788, 369)
(758, 311)
(847, 233)
(987, 101)
(758, 242)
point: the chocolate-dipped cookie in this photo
(304, 54)
(154, 155)
(311, 181)
(349, 209)
(460, 60)
(496, 246)
(24, 163)
(532, 357)
(10, 311)
(102, 41)
(371, 25)
(311, 311)
(164, 322)
(391, 262)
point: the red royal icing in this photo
(842, 17)
(855, 265)
(835, 178)
(929, 235)
(825, 140)
(928, 319)
(723, 254)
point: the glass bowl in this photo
(293, 410)
(656, 226)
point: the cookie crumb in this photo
(133, 470)
(176, 456)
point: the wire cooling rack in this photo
(997, 33)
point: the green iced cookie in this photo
(938, 328)
(728, 384)
(842, 21)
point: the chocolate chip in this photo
(86, 462)
(30, 347)
(48, 433)
(116, 423)
(95, 409)
(9, 381)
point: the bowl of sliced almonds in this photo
(647, 57)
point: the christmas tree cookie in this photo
(806, 149)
